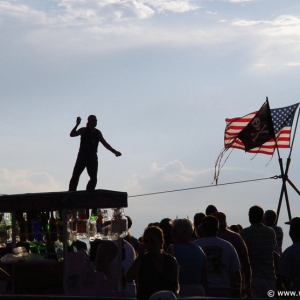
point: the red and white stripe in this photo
(235, 125)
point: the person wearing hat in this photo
(288, 272)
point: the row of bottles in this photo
(42, 228)
(99, 226)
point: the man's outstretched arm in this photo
(74, 131)
(108, 146)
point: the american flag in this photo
(282, 119)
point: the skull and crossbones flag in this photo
(258, 132)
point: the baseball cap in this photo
(295, 225)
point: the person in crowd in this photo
(224, 277)
(153, 269)
(240, 247)
(87, 155)
(270, 219)
(210, 209)
(131, 239)
(288, 272)
(166, 226)
(106, 263)
(198, 217)
(235, 228)
(260, 241)
(191, 260)
(240, 227)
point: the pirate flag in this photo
(259, 130)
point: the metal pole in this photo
(65, 249)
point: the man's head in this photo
(210, 226)
(210, 209)
(198, 217)
(256, 214)
(182, 230)
(270, 217)
(221, 218)
(92, 121)
(295, 229)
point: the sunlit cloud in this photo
(16, 182)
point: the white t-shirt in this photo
(222, 260)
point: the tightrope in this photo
(204, 186)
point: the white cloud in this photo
(172, 175)
(242, 1)
(171, 5)
(245, 23)
(293, 64)
(211, 13)
(16, 182)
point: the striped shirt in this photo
(260, 241)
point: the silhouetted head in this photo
(210, 226)
(270, 217)
(153, 238)
(295, 229)
(221, 218)
(240, 227)
(182, 230)
(235, 228)
(256, 214)
(198, 217)
(210, 209)
(92, 122)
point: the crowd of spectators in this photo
(208, 258)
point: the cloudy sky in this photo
(161, 76)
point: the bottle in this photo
(119, 224)
(3, 232)
(29, 227)
(73, 226)
(52, 228)
(106, 226)
(99, 223)
(44, 217)
(41, 247)
(22, 226)
(123, 224)
(36, 226)
(32, 243)
(92, 225)
(115, 224)
(82, 224)
(8, 223)
(59, 225)
(17, 231)
(58, 246)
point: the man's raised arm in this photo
(74, 131)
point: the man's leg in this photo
(78, 169)
(92, 169)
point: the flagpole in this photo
(285, 175)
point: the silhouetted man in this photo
(87, 155)
(288, 272)
(260, 241)
(224, 277)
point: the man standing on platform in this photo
(87, 156)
